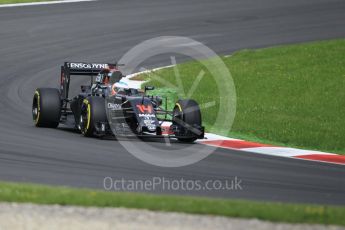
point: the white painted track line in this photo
(42, 3)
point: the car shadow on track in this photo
(124, 138)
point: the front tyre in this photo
(187, 117)
(92, 112)
(46, 107)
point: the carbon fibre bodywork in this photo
(128, 112)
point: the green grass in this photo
(20, 1)
(276, 212)
(290, 95)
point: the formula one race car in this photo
(107, 106)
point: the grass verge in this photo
(276, 212)
(21, 1)
(291, 95)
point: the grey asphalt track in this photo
(35, 40)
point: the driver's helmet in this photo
(119, 87)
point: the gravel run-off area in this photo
(28, 216)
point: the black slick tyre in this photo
(186, 115)
(92, 112)
(46, 107)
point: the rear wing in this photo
(79, 68)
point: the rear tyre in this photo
(92, 112)
(46, 107)
(186, 115)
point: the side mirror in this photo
(149, 88)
